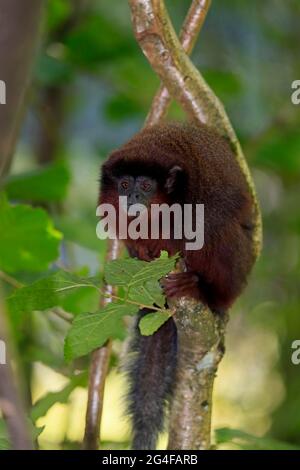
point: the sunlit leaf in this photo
(28, 239)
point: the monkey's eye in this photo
(125, 184)
(146, 186)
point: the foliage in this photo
(28, 239)
(51, 262)
(248, 442)
(141, 289)
(47, 184)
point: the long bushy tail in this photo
(151, 371)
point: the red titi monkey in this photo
(185, 164)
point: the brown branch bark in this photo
(188, 36)
(19, 28)
(11, 404)
(98, 371)
(200, 332)
(201, 348)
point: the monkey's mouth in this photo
(132, 208)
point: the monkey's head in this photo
(151, 168)
(144, 184)
(148, 189)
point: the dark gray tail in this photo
(151, 371)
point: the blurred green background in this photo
(91, 91)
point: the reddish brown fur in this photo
(217, 273)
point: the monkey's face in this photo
(137, 190)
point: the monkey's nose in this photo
(132, 198)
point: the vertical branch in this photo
(200, 332)
(201, 345)
(19, 28)
(11, 404)
(98, 371)
(188, 36)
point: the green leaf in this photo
(4, 442)
(248, 442)
(48, 292)
(140, 278)
(28, 239)
(149, 294)
(47, 184)
(151, 322)
(4, 438)
(91, 330)
(43, 405)
(151, 273)
(120, 272)
(154, 270)
(133, 273)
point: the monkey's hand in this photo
(144, 252)
(184, 284)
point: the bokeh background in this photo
(91, 91)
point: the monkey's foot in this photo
(181, 285)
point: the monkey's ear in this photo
(172, 178)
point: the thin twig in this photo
(98, 371)
(188, 36)
(10, 280)
(67, 317)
